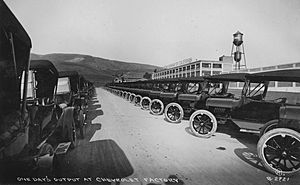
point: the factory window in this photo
(188, 68)
(233, 84)
(184, 75)
(271, 84)
(184, 68)
(177, 70)
(180, 75)
(217, 65)
(285, 84)
(180, 69)
(216, 72)
(206, 65)
(197, 73)
(205, 73)
(192, 67)
(285, 66)
(193, 74)
(173, 70)
(198, 66)
(188, 75)
(241, 84)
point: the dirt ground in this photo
(127, 144)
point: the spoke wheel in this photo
(173, 112)
(279, 150)
(203, 123)
(156, 107)
(145, 103)
(137, 99)
(131, 97)
(124, 94)
(128, 96)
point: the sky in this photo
(161, 32)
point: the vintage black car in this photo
(15, 45)
(28, 115)
(183, 98)
(41, 91)
(215, 102)
(259, 110)
(136, 92)
(68, 95)
(278, 114)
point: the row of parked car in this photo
(245, 100)
(40, 107)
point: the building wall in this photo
(225, 65)
(197, 68)
(276, 86)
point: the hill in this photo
(98, 70)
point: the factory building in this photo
(225, 64)
(188, 68)
(276, 86)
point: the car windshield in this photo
(236, 88)
(30, 85)
(214, 88)
(63, 85)
(255, 89)
(192, 87)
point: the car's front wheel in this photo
(156, 107)
(131, 97)
(203, 123)
(145, 103)
(173, 112)
(137, 99)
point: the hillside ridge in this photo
(96, 69)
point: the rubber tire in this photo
(128, 95)
(161, 104)
(132, 98)
(180, 109)
(265, 138)
(137, 103)
(211, 116)
(145, 98)
(268, 126)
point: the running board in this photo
(249, 131)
